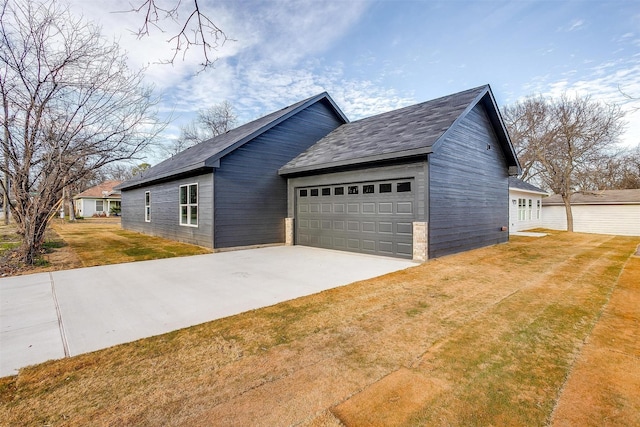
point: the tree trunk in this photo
(69, 201)
(567, 208)
(34, 233)
(5, 201)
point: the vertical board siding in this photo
(250, 196)
(165, 211)
(469, 190)
(622, 220)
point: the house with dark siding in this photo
(419, 182)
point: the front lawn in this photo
(494, 336)
(102, 241)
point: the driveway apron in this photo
(65, 313)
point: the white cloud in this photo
(606, 82)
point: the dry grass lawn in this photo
(534, 332)
(102, 241)
(90, 242)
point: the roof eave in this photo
(403, 155)
(522, 190)
(187, 170)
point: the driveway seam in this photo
(63, 335)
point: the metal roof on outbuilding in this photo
(406, 132)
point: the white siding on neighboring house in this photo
(525, 205)
(87, 207)
(525, 211)
(621, 219)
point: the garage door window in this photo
(314, 192)
(368, 189)
(403, 187)
(303, 193)
(385, 188)
(353, 189)
(338, 191)
(326, 191)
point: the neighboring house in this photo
(100, 200)
(601, 212)
(525, 206)
(422, 181)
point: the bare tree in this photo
(211, 122)
(620, 171)
(70, 107)
(196, 30)
(559, 140)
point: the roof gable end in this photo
(403, 133)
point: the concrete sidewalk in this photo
(65, 313)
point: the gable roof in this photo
(516, 183)
(206, 155)
(600, 197)
(101, 191)
(402, 133)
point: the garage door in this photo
(370, 217)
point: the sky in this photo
(376, 56)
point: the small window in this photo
(403, 187)
(353, 189)
(326, 191)
(368, 189)
(303, 193)
(147, 206)
(385, 188)
(338, 191)
(314, 192)
(189, 205)
(99, 206)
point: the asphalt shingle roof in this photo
(102, 190)
(205, 154)
(399, 133)
(519, 184)
(601, 197)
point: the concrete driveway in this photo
(65, 313)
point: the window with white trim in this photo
(538, 208)
(99, 206)
(530, 209)
(522, 209)
(189, 205)
(147, 206)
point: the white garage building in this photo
(601, 212)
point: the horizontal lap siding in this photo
(165, 211)
(250, 196)
(623, 220)
(468, 188)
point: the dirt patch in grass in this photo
(486, 337)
